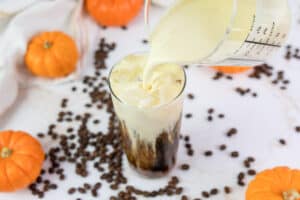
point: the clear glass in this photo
(242, 33)
(150, 136)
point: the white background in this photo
(261, 121)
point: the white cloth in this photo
(20, 20)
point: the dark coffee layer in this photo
(147, 160)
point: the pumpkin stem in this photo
(5, 152)
(48, 45)
(291, 195)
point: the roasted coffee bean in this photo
(87, 186)
(184, 197)
(81, 190)
(124, 27)
(222, 147)
(241, 183)
(190, 152)
(282, 142)
(247, 164)
(210, 118)
(251, 159)
(231, 132)
(214, 191)
(41, 135)
(74, 89)
(94, 193)
(208, 153)
(71, 190)
(241, 175)
(211, 110)
(227, 190)
(251, 172)
(188, 115)
(186, 138)
(191, 96)
(221, 116)
(179, 190)
(205, 194)
(234, 154)
(185, 167)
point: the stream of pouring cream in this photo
(178, 39)
(191, 30)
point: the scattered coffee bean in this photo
(191, 96)
(185, 167)
(251, 172)
(205, 194)
(227, 190)
(71, 190)
(234, 154)
(214, 191)
(231, 132)
(221, 116)
(222, 147)
(210, 110)
(208, 153)
(210, 118)
(282, 142)
(188, 115)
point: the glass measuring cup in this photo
(220, 32)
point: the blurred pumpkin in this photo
(232, 69)
(280, 183)
(113, 12)
(51, 55)
(21, 159)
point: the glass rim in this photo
(154, 107)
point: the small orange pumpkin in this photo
(21, 159)
(280, 183)
(51, 55)
(113, 12)
(232, 69)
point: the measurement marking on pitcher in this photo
(261, 43)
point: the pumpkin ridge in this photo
(294, 173)
(277, 175)
(9, 136)
(31, 156)
(57, 56)
(15, 141)
(20, 169)
(57, 60)
(64, 64)
(6, 176)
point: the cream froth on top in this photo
(165, 83)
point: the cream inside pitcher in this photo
(219, 32)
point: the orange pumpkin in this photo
(113, 12)
(280, 183)
(51, 55)
(21, 159)
(231, 69)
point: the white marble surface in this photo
(261, 121)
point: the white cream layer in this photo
(151, 111)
